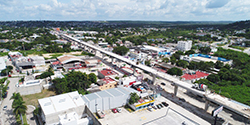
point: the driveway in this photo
(7, 116)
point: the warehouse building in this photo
(107, 99)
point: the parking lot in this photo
(173, 114)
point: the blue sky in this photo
(155, 10)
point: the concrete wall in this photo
(27, 90)
(95, 121)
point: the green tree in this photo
(147, 62)
(189, 52)
(133, 98)
(61, 85)
(172, 60)
(175, 71)
(213, 78)
(121, 50)
(92, 78)
(205, 50)
(46, 74)
(166, 60)
(218, 64)
(182, 63)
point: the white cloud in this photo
(169, 10)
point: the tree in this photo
(205, 50)
(213, 78)
(46, 74)
(218, 64)
(92, 77)
(172, 60)
(121, 50)
(61, 85)
(182, 63)
(175, 71)
(166, 60)
(147, 62)
(189, 52)
(133, 98)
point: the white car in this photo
(119, 110)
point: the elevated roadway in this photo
(237, 108)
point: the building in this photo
(91, 62)
(107, 73)
(164, 67)
(31, 85)
(108, 99)
(143, 102)
(205, 58)
(2, 64)
(184, 45)
(107, 83)
(60, 41)
(14, 55)
(66, 109)
(68, 62)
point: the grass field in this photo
(33, 99)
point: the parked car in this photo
(100, 114)
(150, 108)
(165, 104)
(163, 84)
(5, 107)
(220, 119)
(154, 107)
(158, 106)
(161, 105)
(182, 99)
(119, 110)
(8, 88)
(114, 110)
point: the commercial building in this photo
(68, 62)
(143, 102)
(108, 99)
(107, 83)
(66, 109)
(184, 45)
(205, 58)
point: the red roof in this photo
(55, 63)
(198, 74)
(108, 80)
(108, 72)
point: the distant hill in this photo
(237, 25)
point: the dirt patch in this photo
(33, 99)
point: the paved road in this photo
(7, 116)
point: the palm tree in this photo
(16, 96)
(19, 107)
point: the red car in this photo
(114, 110)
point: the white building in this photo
(64, 109)
(184, 45)
(2, 64)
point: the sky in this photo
(148, 10)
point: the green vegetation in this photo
(175, 71)
(19, 107)
(88, 54)
(3, 53)
(121, 50)
(221, 44)
(238, 47)
(233, 82)
(4, 87)
(147, 62)
(33, 99)
(74, 81)
(6, 71)
(133, 98)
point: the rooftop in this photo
(60, 103)
(105, 80)
(108, 72)
(68, 58)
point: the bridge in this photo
(237, 108)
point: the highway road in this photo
(211, 97)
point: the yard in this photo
(33, 99)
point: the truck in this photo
(100, 114)
(201, 87)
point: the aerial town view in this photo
(125, 62)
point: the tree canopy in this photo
(175, 71)
(121, 50)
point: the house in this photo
(143, 102)
(68, 62)
(66, 109)
(107, 73)
(106, 83)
